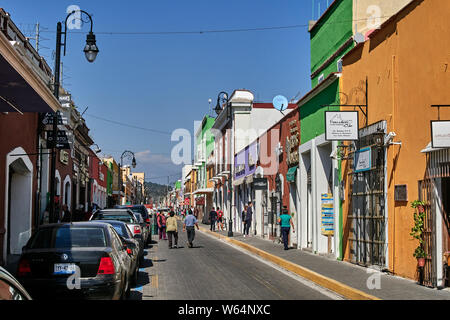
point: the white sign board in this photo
(363, 160)
(440, 134)
(341, 125)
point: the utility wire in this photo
(128, 125)
(218, 30)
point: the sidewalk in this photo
(344, 278)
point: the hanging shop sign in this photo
(292, 144)
(363, 160)
(341, 125)
(64, 157)
(200, 201)
(440, 134)
(327, 222)
(186, 201)
(260, 183)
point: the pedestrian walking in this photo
(212, 219)
(172, 229)
(243, 214)
(219, 219)
(161, 219)
(286, 222)
(188, 225)
(66, 214)
(248, 219)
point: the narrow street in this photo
(212, 270)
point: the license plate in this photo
(64, 268)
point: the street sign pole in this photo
(55, 124)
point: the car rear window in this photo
(119, 217)
(121, 230)
(69, 238)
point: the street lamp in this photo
(130, 156)
(91, 51)
(223, 98)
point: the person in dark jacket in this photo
(212, 219)
(248, 219)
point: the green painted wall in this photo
(109, 180)
(331, 67)
(332, 31)
(312, 115)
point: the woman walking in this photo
(286, 222)
(172, 229)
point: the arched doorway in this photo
(18, 205)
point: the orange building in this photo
(405, 65)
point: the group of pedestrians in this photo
(216, 217)
(170, 226)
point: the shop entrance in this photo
(367, 238)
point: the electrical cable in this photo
(127, 125)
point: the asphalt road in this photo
(213, 270)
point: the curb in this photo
(331, 284)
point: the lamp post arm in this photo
(65, 25)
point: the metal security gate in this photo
(428, 276)
(367, 218)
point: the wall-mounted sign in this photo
(200, 201)
(64, 157)
(260, 183)
(327, 222)
(440, 134)
(401, 193)
(341, 125)
(363, 160)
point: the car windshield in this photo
(69, 237)
(119, 217)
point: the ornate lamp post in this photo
(91, 51)
(223, 98)
(130, 156)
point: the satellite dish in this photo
(280, 103)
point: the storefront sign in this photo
(341, 125)
(200, 201)
(327, 222)
(440, 134)
(186, 201)
(260, 183)
(363, 160)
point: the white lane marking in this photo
(304, 281)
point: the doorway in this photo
(19, 206)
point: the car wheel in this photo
(135, 276)
(125, 289)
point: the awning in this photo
(21, 89)
(204, 191)
(429, 148)
(290, 175)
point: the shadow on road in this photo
(146, 263)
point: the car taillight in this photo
(106, 266)
(129, 251)
(23, 268)
(137, 230)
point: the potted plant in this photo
(418, 229)
(420, 255)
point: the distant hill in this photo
(156, 190)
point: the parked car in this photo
(10, 288)
(133, 248)
(145, 231)
(144, 213)
(81, 260)
(124, 215)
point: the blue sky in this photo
(163, 82)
